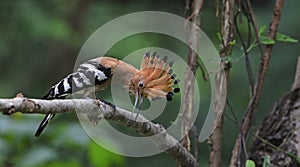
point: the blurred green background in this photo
(39, 44)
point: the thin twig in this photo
(249, 114)
(246, 53)
(254, 25)
(196, 137)
(232, 112)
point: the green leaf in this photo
(262, 29)
(266, 41)
(219, 36)
(285, 38)
(267, 161)
(250, 163)
(232, 42)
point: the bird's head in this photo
(154, 80)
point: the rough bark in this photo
(278, 136)
(189, 84)
(227, 28)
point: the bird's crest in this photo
(154, 80)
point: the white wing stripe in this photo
(66, 84)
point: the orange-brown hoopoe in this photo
(154, 80)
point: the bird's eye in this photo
(141, 84)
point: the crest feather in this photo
(158, 76)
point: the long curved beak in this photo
(138, 98)
(140, 106)
(135, 103)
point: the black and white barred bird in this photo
(155, 79)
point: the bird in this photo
(154, 80)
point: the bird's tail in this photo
(43, 124)
(47, 117)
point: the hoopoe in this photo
(154, 80)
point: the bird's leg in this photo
(94, 117)
(89, 93)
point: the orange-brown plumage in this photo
(155, 77)
(154, 80)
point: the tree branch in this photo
(235, 159)
(227, 28)
(97, 109)
(278, 136)
(189, 84)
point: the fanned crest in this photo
(154, 80)
(158, 77)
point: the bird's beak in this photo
(135, 102)
(140, 97)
